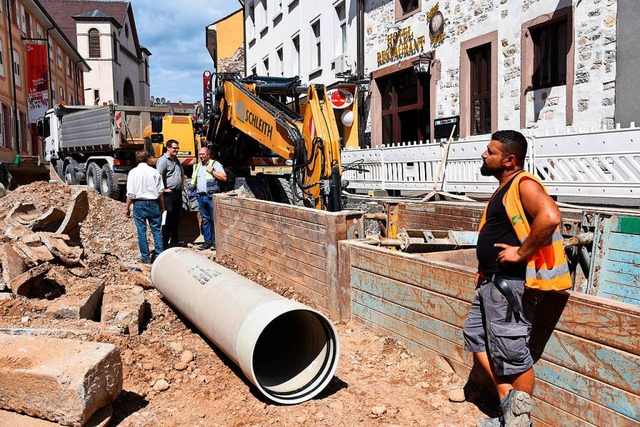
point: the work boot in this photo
(489, 422)
(515, 408)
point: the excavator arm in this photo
(252, 121)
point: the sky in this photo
(174, 33)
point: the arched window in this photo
(127, 93)
(94, 43)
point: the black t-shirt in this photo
(498, 229)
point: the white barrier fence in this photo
(596, 164)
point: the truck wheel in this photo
(282, 191)
(93, 176)
(108, 184)
(70, 176)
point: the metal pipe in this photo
(287, 350)
(578, 240)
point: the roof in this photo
(64, 12)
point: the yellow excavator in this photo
(282, 130)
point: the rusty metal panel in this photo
(616, 259)
(589, 346)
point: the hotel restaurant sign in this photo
(401, 44)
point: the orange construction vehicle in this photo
(261, 125)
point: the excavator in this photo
(283, 130)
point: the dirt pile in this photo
(173, 376)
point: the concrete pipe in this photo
(287, 350)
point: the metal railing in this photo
(593, 164)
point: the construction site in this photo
(88, 340)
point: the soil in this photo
(174, 376)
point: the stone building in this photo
(484, 65)
(39, 66)
(104, 32)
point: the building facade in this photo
(315, 40)
(39, 66)
(489, 65)
(104, 32)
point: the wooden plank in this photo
(625, 242)
(267, 217)
(262, 207)
(287, 239)
(276, 262)
(441, 346)
(430, 325)
(607, 364)
(284, 246)
(335, 227)
(625, 256)
(295, 229)
(585, 410)
(450, 310)
(608, 396)
(550, 413)
(438, 276)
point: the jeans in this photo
(143, 211)
(206, 212)
(173, 205)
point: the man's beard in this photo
(485, 170)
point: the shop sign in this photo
(401, 44)
(37, 81)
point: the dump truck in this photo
(283, 130)
(97, 145)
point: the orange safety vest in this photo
(547, 269)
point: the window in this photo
(295, 55)
(280, 64)
(70, 99)
(549, 54)
(59, 57)
(28, 25)
(126, 31)
(1, 59)
(341, 16)
(68, 66)
(50, 49)
(96, 96)
(254, 71)
(405, 107)
(480, 68)
(316, 45)
(94, 43)
(62, 97)
(38, 30)
(277, 9)
(406, 8)
(115, 47)
(16, 69)
(23, 20)
(3, 140)
(251, 18)
(265, 64)
(53, 91)
(146, 70)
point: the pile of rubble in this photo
(61, 273)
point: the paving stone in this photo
(124, 306)
(65, 381)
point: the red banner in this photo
(37, 81)
(207, 92)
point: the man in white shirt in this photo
(145, 190)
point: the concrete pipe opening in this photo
(286, 349)
(295, 356)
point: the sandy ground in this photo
(174, 376)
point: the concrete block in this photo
(76, 213)
(12, 263)
(69, 255)
(124, 306)
(80, 301)
(28, 282)
(65, 381)
(17, 232)
(36, 254)
(50, 220)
